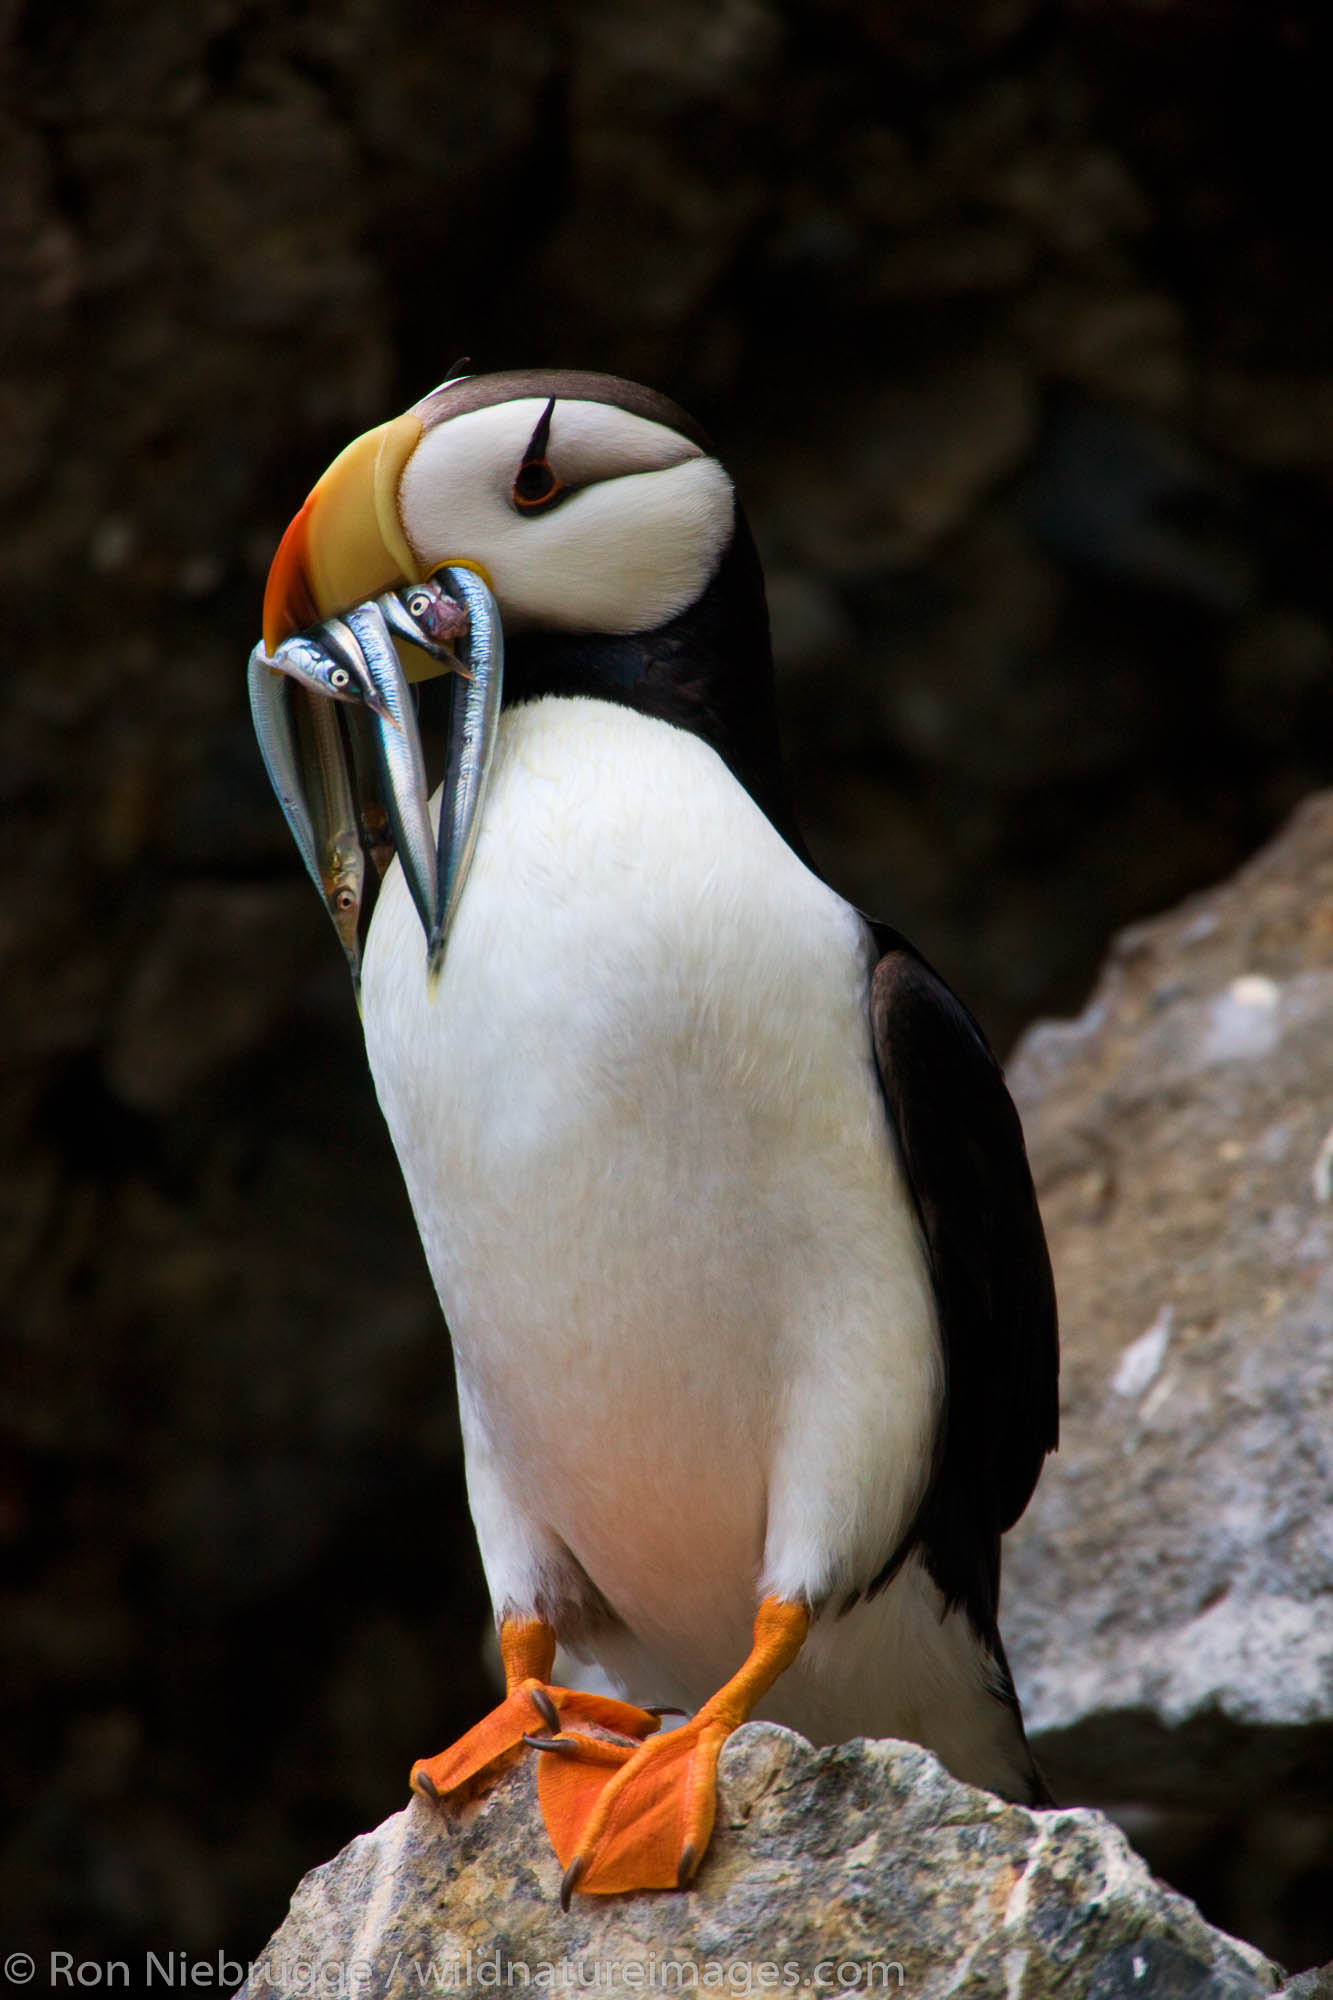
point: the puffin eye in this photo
(536, 486)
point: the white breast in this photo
(642, 1133)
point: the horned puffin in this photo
(721, 1189)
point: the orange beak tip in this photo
(289, 602)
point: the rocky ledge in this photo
(864, 1868)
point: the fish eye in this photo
(339, 677)
(344, 900)
(419, 603)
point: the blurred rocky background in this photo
(1169, 1592)
(1015, 321)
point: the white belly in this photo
(642, 1133)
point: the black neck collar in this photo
(710, 671)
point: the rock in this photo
(1168, 1594)
(1317, 1984)
(861, 1867)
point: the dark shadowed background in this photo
(1015, 323)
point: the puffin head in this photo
(602, 552)
(587, 503)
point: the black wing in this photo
(966, 1165)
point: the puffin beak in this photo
(344, 550)
(347, 543)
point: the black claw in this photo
(573, 1876)
(545, 1708)
(664, 1709)
(689, 1861)
(426, 1787)
(564, 1745)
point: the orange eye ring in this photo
(535, 486)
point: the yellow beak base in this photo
(347, 542)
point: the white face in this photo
(634, 543)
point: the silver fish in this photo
(368, 788)
(402, 765)
(474, 714)
(337, 817)
(425, 615)
(270, 691)
(328, 660)
(342, 865)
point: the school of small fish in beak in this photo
(336, 719)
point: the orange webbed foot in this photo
(532, 1710)
(623, 1817)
